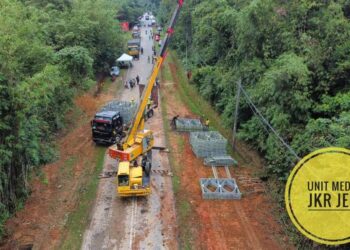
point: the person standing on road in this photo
(141, 51)
(149, 103)
(207, 122)
(148, 59)
(137, 79)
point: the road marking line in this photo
(135, 217)
(132, 222)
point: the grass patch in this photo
(72, 119)
(166, 74)
(106, 85)
(198, 105)
(67, 169)
(166, 125)
(190, 97)
(78, 220)
(184, 211)
(180, 143)
(41, 175)
(183, 207)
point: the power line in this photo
(262, 118)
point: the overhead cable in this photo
(256, 111)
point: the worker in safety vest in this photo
(207, 122)
(149, 103)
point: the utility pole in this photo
(238, 93)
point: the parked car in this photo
(115, 71)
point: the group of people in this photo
(150, 34)
(153, 57)
(132, 82)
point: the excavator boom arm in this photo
(138, 120)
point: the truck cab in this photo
(107, 127)
(136, 34)
(134, 47)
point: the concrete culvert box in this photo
(208, 143)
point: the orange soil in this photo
(215, 224)
(41, 222)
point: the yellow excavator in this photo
(135, 151)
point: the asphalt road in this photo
(143, 222)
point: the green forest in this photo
(293, 58)
(49, 52)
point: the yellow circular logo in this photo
(317, 196)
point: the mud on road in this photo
(55, 192)
(139, 222)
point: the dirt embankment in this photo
(55, 192)
(215, 224)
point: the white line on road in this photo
(132, 222)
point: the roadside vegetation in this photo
(78, 220)
(183, 208)
(50, 51)
(293, 58)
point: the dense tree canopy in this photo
(294, 61)
(49, 50)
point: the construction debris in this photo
(188, 125)
(220, 160)
(107, 174)
(162, 172)
(208, 143)
(221, 189)
(126, 109)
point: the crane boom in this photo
(133, 178)
(138, 122)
